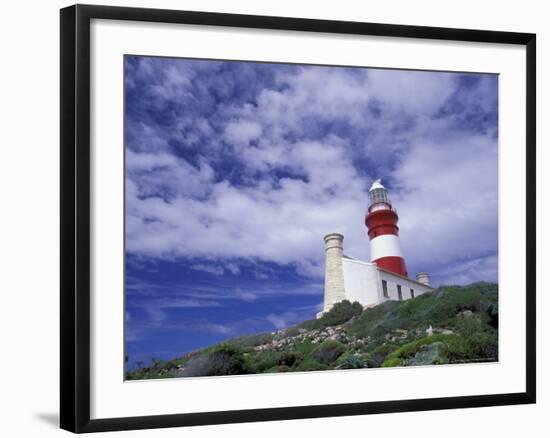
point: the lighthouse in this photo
(381, 220)
(385, 277)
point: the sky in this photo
(236, 170)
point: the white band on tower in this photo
(386, 245)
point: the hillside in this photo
(453, 324)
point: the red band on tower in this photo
(393, 264)
(382, 222)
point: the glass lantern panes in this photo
(378, 196)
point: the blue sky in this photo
(236, 170)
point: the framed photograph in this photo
(268, 218)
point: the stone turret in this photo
(334, 271)
(423, 277)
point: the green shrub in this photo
(264, 360)
(341, 312)
(291, 331)
(410, 349)
(310, 364)
(392, 362)
(377, 357)
(458, 349)
(305, 347)
(480, 344)
(328, 351)
(429, 354)
(353, 362)
(290, 358)
(223, 360)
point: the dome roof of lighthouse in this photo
(376, 185)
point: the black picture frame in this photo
(75, 217)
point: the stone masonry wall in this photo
(334, 272)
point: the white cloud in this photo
(213, 328)
(211, 269)
(283, 225)
(444, 179)
(465, 272)
(260, 275)
(278, 321)
(245, 295)
(413, 92)
(233, 268)
(449, 202)
(242, 132)
(291, 317)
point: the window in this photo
(412, 293)
(385, 288)
(378, 196)
(399, 293)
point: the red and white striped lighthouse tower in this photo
(381, 221)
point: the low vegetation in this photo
(453, 324)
